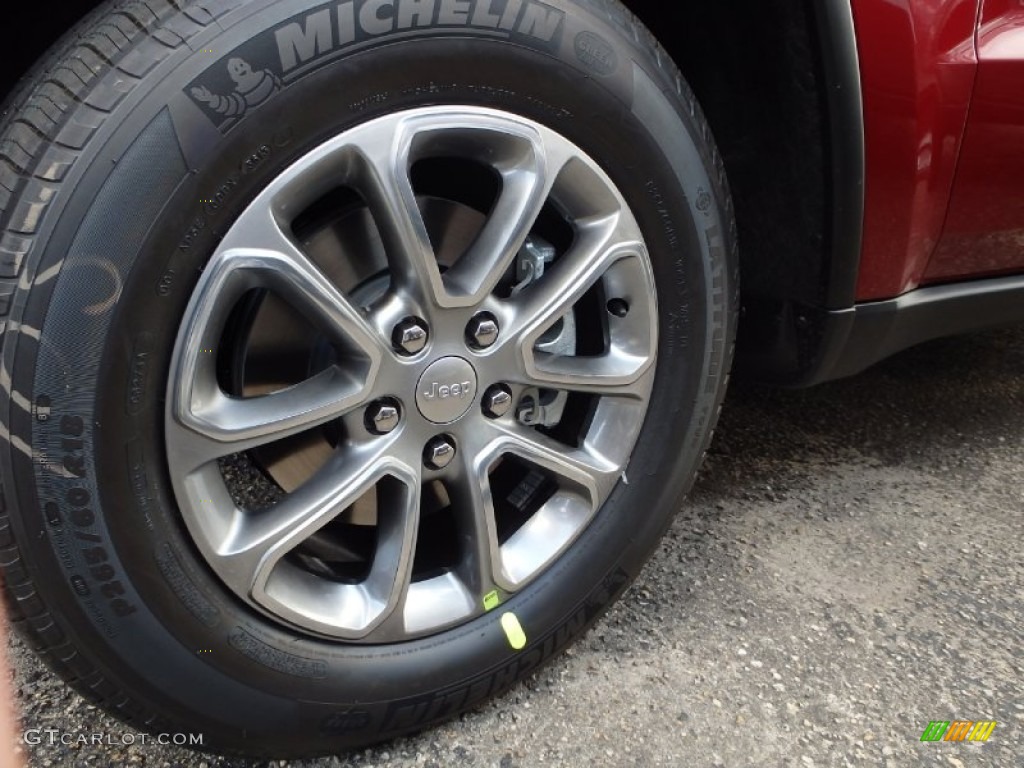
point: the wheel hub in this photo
(446, 390)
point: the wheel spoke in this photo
(599, 245)
(526, 185)
(258, 254)
(528, 168)
(614, 374)
(257, 540)
(227, 425)
(474, 509)
(250, 555)
(601, 249)
(390, 576)
(223, 424)
(389, 194)
(584, 479)
(582, 469)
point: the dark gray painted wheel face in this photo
(494, 436)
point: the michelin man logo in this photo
(251, 89)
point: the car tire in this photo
(143, 168)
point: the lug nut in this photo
(410, 336)
(383, 417)
(497, 401)
(482, 331)
(439, 452)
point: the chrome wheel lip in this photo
(387, 606)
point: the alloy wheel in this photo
(431, 342)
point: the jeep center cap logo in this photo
(446, 390)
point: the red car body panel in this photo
(918, 66)
(984, 232)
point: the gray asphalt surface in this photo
(847, 570)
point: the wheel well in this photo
(762, 73)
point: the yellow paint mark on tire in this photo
(513, 631)
(492, 600)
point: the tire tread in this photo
(49, 121)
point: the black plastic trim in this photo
(789, 340)
(841, 66)
(857, 338)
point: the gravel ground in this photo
(847, 569)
